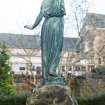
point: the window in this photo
(104, 58)
(33, 68)
(77, 68)
(99, 60)
(86, 46)
(22, 68)
(63, 68)
(38, 69)
(70, 68)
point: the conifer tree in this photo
(6, 80)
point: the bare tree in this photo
(26, 54)
(79, 11)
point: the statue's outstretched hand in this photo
(28, 27)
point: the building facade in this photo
(93, 39)
(25, 52)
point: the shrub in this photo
(99, 70)
(97, 100)
(6, 80)
(14, 100)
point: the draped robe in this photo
(51, 36)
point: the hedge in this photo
(14, 100)
(21, 100)
(99, 70)
(97, 100)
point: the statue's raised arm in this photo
(38, 20)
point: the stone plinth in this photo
(51, 95)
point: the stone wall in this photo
(92, 87)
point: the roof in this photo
(97, 19)
(69, 43)
(31, 41)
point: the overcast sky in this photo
(14, 14)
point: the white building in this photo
(25, 51)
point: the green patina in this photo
(51, 38)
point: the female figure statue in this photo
(51, 38)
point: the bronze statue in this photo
(51, 38)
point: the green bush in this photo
(14, 100)
(99, 70)
(6, 79)
(21, 100)
(97, 100)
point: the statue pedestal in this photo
(55, 80)
(51, 95)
